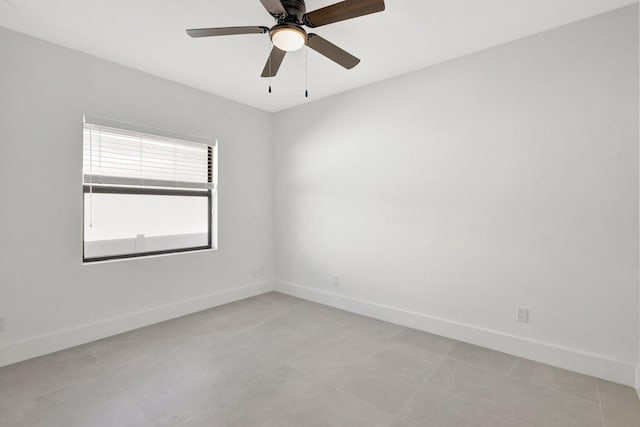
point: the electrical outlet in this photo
(257, 272)
(522, 314)
(335, 281)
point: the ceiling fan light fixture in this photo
(288, 37)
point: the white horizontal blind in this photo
(114, 156)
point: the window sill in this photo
(143, 257)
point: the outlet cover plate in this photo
(522, 314)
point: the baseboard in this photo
(63, 339)
(575, 360)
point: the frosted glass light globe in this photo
(288, 38)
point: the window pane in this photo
(123, 224)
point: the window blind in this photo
(114, 156)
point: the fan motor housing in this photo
(295, 10)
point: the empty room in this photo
(292, 213)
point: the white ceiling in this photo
(149, 35)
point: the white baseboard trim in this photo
(575, 360)
(67, 338)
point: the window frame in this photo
(105, 189)
(158, 188)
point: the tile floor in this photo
(274, 360)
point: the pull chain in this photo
(306, 72)
(91, 175)
(269, 52)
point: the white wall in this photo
(49, 300)
(447, 197)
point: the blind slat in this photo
(102, 144)
(147, 182)
(117, 162)
(148, 153)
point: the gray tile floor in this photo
(278, 361)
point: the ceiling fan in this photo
(289, 35)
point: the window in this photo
(144, 193)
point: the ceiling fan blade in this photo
(273, 62)
(225, 31)
(344, 10)
(274, 7)
(331, 51)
